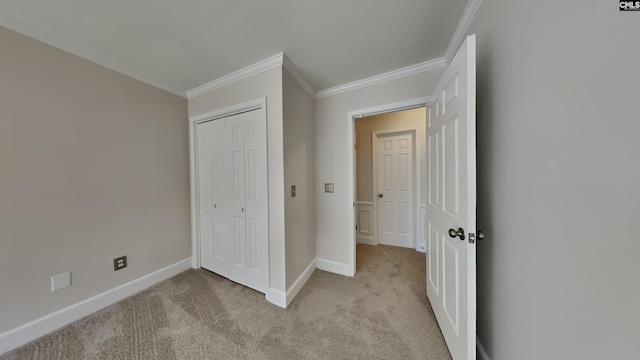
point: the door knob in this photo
(480, 235)
(457, 233)
(380, 195)
(242, 210)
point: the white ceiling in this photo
(180, 45)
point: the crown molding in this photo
(291, 68)
(461, 29)
(67, 46)
(277, 60)
(238, 75)
(457, 39)
(391, 75)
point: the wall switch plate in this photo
(328, 187)
(293, 191)
(60, 281)
(119, 263)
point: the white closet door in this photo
(210, 195)
(248, 189)
(236, 192)
(256, 200)
(233, 198)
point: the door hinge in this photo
(356, 227)
(472, 238)
(355, 146)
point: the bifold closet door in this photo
(232, 186)
(248, 190)
(211, 183)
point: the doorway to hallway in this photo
(389, 178)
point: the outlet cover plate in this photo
(60, 281)
(119, 263)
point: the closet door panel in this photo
(220, 216)
(205, 198)
(256, 200)
(235, 132)
(211, 196)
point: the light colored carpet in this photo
(381, 313)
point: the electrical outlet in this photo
(119, 263)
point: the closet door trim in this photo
(256, 104)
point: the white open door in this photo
(451, 203)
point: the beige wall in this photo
(265, 84)
(93, 165)
(558, 171)
(364, 127)
(300, 245)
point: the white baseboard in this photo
(276, 297)
(283, 300)
(482, 353)
(300, 281)
(367, 240)
(23, 334)
(334, 267)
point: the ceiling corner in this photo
(291, 68)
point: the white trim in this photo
(299, 284)
(260, 103)
(416, 177)
(335, 267)
(391, 75)
(421, 245)
(481, 351)
(350, 198)
(23, 334)
(67, 46)
(362, 237)
(287, 64)
(394, 107)
(276, 297)
(238, 75)
(277, 60)
(366, 240)
(459, 35)
(457, 39)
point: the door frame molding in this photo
(350, 199)
(260, 103)
(415, 188)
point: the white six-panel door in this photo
(211, 136)
(249, 200)
(233, 198)
(395, 189)
(451, 204)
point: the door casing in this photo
(350, 199)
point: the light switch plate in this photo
(328, 187)
(60, 281)
(293, 191)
